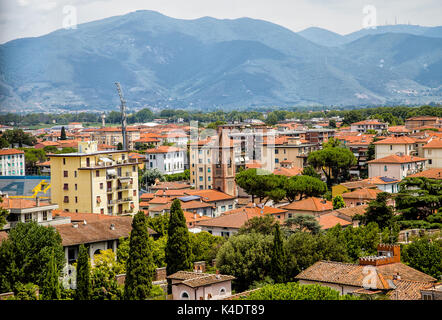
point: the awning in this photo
(125, 179)
(111, 172)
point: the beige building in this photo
(112, 136)
(433, 152)
(397, 166)
(394, 145)
(91, 181)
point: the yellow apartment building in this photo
(92, 181)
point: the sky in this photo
(30, 18)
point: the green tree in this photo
(3, 143)
(205, 246)
(296, 291)
(378, 211)
(149, 177)
(418, 198)
(3, 215)
(332, 123)
(278, 261)
(25, 254)
(310, 171)
(247, 257)
(19, 137)
(335, 162)
(424, 255)
(51, 287)
(139, 266)
(338, 202)
(83, 290)
(119, 146)
(303, 222)
(27, 291)
(63, 133)
(103, 277)
(263, 224)
(178, 248)
(272, 119)
(300, 187)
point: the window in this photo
(184, 295)
(101, 186)
(385, 168)
(76, 199)
(65, 186)
(65, 174)
(45, 215)
(391, 147)
(75, 186)
(66, 199)
(75, 174)
(97, 173)
(134, 169)
(64, 160)
(430, 161)
(222, 292)
(28, 217)
(135, 193)
(102, 211)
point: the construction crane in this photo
(123, 115)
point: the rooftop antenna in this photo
(123, 114)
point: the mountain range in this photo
(212, 64)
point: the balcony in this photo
(120, 200)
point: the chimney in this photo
(37, 201)
(112, 226)
(84, 222)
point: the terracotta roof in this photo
(423, 118)
(233, 220)
(435, 173)
(164, 149)
(160, 200)
(408, 290)
(5, 152)
(95, 231)
(349, 213)
(396, 140)
(3, 236)
(195, 279)
(433, 144)
(398, 129)
(374, 121)
(77, 216)
(327, 221)
(381, 180)
(12, 203)
(191, 217)
(310, 204)
(353, 274)
(256, 210)
(288, 172)
(363, 193)
(147, 196)
(170, 185)
(172, 193)
(358, 184)
(210, 195)
(397, 159)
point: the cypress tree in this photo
(178, 249)
(278, 264)
(139, 265)
(63, 133)
(51, 287)
(83, 291)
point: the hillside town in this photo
(222, 210)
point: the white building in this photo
(168, 160)
(12, 162)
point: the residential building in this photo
(360, 197)
(397, 166)
(394, 145)
(96, 234)
(415, 123)
(168, 160)
(311, 206)
(435, 173)
(113, 136)
(381, 274)
(25, 210)
(200, 286)
(104, 182)
(12, 162)
(433, 152)
(221, 201)
(365, 125)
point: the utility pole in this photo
(123, 115)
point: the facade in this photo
(394, 145)
(113, 136)
(360, 197)
(396, 166)
(364, 126)
(104, 182)
(168, 160)
(23, 210)
(433, 152)
(200, 286)
(12, 162)
(417, 122)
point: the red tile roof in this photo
(5, 152)
(397, 159)
(396, 140)
(310, 204)
(435, 173)
(434, 144)
(364, 193)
